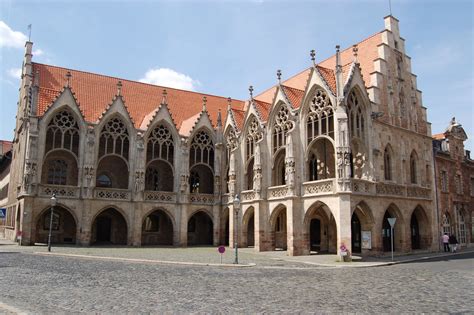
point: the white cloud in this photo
(15, 73)
(170, 78)
(11, 38)
(38, 52)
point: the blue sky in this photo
(222, 47)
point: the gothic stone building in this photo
(320, 160)
(454, 170)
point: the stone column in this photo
(343, 222)
(294, 228)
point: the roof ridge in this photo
(128, 80)
(343, 50)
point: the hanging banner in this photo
(366, 239)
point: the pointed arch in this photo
(320, 157)
(413, 167)
(357, 114)
(278, 226)
(388, 162)
(248, 227)
(398, 232)
(64, 226)
(320, 229)
(201, 163)
(281, 125)
(200, 228)
(319, 116)
(420, 229)
(110, 226)
(158, 227)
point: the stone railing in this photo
(59, 191)
(159, 196)
(206, 199)
(325, 186)
(276, 192)
(390, 189)
(419, 192)
(247, 195)
(361, 186)
(112, 193)
(226, 199)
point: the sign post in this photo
(391, 221)
(221, 250)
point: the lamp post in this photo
(53, 203)
(236, 227)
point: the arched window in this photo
(159, 155)
(281, 128)
(356, 116)
(413, 170)
(320, 119)
(253, 136)
(160, 145)
(63, 133)
(202, 150)
(114, 139)
(321, 162)
(446, 224)
(201, 164)
(462, 227)
(57, 172)
(387, 164)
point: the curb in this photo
(167, 262)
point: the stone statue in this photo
(340, 165)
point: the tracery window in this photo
(160, 145)
(444, 181)
(446, 225)
(356, 116)
(320, 119)
(282, 126)
(462, 227)
(253, 136)
(458, 183)
(63, 133)
(387, 164)
(413, 169)
(114, 139)
(202, 150)
(57, 172)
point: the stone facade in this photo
(319, 161)
(454, 171)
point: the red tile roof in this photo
(5, 146)
(239, 116)
(94, 92)
(263, 109)
(439, 136)
(294, 95)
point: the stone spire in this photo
(279, 76)
(354, 53)
(68, 78)
(339, 78)
(312, 53)
(204, 103)
(119, 88)
(229, 103)
(219, 119)
(251, 92)
(164, 100)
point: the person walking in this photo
(445, 239)
(453, 243)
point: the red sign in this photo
(221, 249)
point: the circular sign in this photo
(221, 249)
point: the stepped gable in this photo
(94, 92)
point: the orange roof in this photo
(294, 95)
(5, 146)
(367, 53)
(95, 92)
(239, 116)
(263, 109)
(439, 136)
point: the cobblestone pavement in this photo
(53, 284)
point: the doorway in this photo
(356, 236)
(104, 229)
(315, 235)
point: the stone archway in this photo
(248, 228)
(200, 229)
(361, 221)
(320, 229)
(63, 226)
(398, 231)
(420, 233)
(109, 227)
(157, 229)
(279, 229)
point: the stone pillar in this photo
(343, 221)
(262, 233)
(294, 228)
(136, 223)
(183, 226)
(290, 164)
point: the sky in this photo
(222, 47)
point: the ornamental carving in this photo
(231, 140)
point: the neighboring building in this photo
(320, 160)
(455, 183)
(5, 160)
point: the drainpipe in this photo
(436, 198)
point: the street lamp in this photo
(53, 203)
(236, 225)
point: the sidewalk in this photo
(208, 256)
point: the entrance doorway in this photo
(356, 236)
(104, 229)
(251, 232)
(415, 232)
(315, 235)
(386, 234)
(200, 229)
